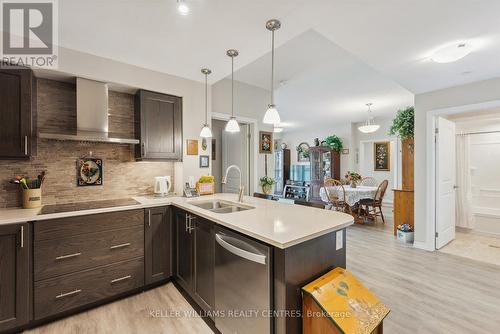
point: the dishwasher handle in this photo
(254, 257)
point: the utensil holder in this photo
(32, 198)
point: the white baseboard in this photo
(424, 246)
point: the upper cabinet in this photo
(16, 113)
(158, 126)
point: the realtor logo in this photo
(29, 33)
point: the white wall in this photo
(193, 93)
(250, 102)
(465, 97)
(294, 138)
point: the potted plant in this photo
(334, 142)
(267, 182)
(403, 125)
(353, 178)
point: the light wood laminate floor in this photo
(428, 293)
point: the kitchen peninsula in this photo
(193, 242)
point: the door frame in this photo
(431, 164)
(254, 134)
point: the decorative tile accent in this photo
(56, 111)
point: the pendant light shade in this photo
(232, 125)
(272, 116)
(369, 126)
(206, 132)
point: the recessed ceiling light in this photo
(182, 7)
(451, 53)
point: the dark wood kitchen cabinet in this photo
(158, 119)
(195, 257)
(17, 107)
(15, 296)
(158, 242)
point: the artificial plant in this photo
(403, 125)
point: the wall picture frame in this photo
(382, 156)
(89, 172)
(204, 161)
(192, 146)
(303, 152)
(265, 142)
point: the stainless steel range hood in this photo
(91, 116)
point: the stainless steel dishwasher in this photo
(242, 284)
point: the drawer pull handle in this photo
(67, 294)
(120, 245)
(121, 279)
(62, 257)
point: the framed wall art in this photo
(265, 142)
(382, 156)
(88, 172)
(204, 161)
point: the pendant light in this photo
(369, 126)
(206, 132)
(272, 116)
(232, 125)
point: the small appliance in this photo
(162, 185)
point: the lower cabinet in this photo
(158, 241)
(15, 250)
(195, 257)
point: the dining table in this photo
(352, 195)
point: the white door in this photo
(235, 152)
(445, 182)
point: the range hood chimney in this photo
(91, 116)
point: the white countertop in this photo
(278, 224)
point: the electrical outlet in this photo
(339, 240)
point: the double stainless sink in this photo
(219, 206)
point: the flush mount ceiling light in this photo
(182, 7)
(206, 132)
(451, 53)
(232, 124)
(369, 126)
(277, 129)
(272, 116)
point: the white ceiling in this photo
(392, 36)
(318, 83)
(369, 49)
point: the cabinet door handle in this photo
(67, 294)
(25, 145)
(22, 236)
(191, 226)
(186, 222)
(143, 149)
(120, 245)
(121, 279)
(149, 217)
(62, 257)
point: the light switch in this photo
(340, 240)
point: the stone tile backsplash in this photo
(122, 175)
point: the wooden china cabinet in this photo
(325, 163)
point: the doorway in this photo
(231, 149)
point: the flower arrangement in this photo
(334, 142)
(353, 178)
(404, 124)
(405, 228)
(206, 179)
(301, 151)
(267, 182)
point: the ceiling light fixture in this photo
(451, 53)
(206, 132)
(232, 124)
(369, 126)
(272, 116)
(277, 129)
(182, 7)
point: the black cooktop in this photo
(90, 205)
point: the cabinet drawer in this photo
(63, 293)
(67, 255)
(65, 227)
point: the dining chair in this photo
(372, 204)
(369, 182)
(336, 195)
